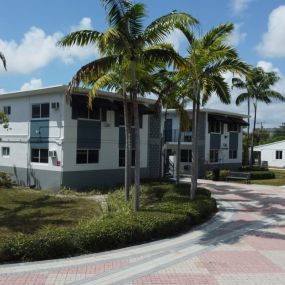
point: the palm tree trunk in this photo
(127, 148)
(137, 136)
(178, 153)
(253, 133)
(195, 140)
(248, 121)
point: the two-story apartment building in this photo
(220, 140)
(52, 142)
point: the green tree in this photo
(208, 58)
(127, 41)
(257, 86)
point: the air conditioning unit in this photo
(52, 153)
(55, 105)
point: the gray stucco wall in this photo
(82, 180)
(40, 179)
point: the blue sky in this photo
(30, 29)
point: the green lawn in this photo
(278, 181)
(26, 211)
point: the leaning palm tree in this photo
(257, 86)
(208, 58)
(2, 57)
(126, 40)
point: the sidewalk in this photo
(243, 244)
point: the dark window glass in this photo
(214, 155)
(94, 113)
(45, 110)
(122, 157)
(184, 155)
(121, 119)
(214, 126)
(36, 111)
(7, 110)
(233, 127)
(43, 155)
(232, 153)
(5, 151)
(39, 155)
(81, 156)
(93, 156)
(278, 154)
(82, 111)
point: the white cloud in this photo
(240, 6)
(237, 35)
(34, 83)
(273, 41)
(37, 49)
(271, 115)
(84, 24)
(2, 91)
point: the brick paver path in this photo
(244, 244)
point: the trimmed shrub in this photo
(5, 180)
(253, 168)
(256, 175)
(223, 174)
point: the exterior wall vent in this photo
(52, 153)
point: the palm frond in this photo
(238, 83)
(243, 97)
(2, 57)
(80, 38)
(161, 27)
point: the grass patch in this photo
(27, 211)
(165, 210)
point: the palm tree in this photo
(126, 40)
(2, 57)
(257, 86)
(209, 56)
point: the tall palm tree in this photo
(2, 57)
(257, 86)
(209, 56)
(126, 40)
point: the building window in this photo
(5, 151)
(86, 113)
(214, 155)
(122, 157)
(40, 111)
(214, 126)
(278, 154)
(186, 155)
(233, 127)
(39, 155)
(232, 154)
(84, 156)
(7, 110)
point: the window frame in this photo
(216, 155)
(217, 129)
(233, 127)
(122, 159)
(7, 113)
(41, 111)
(87, 156)
(79, 117)
(39, 155)
(278, 154)
(5, 148)
(232, 152)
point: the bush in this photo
(223, 174)
(5, 180)
(253, 168)
(256, 175)
(170, 212)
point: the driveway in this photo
(243, 244)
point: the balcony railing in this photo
(172, 136)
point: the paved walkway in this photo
(244, 244)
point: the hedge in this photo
(172, 214)
(256, 175)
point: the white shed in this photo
(272, 154)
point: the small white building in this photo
(52, 143)
(272, 154)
